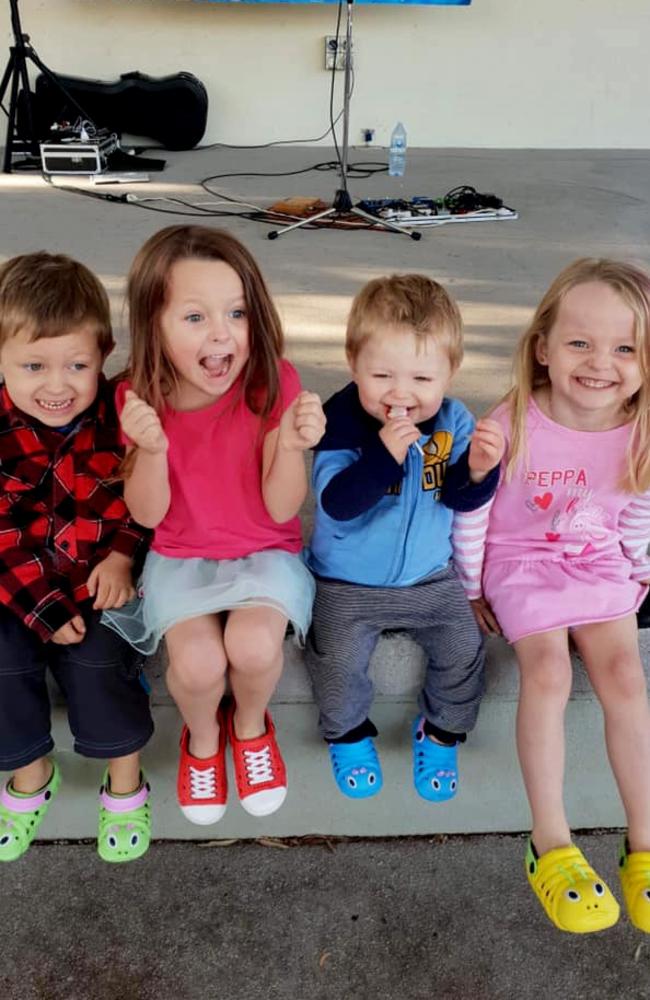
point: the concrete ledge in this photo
(490, 799)
(396, 667)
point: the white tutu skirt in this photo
(173, 590)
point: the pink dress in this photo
(556, 553)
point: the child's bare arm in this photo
(146, 490)
(284, 478)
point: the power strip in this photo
(125, 177)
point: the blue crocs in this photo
(356, 767)
(435, 767)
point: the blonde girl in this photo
(565, 555)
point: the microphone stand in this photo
(342, 204)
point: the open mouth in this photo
(217, 365)
(54, 406)
(595, 383)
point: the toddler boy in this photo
(397, 459)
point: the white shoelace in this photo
(203, 784)
(258, 765)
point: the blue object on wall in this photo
(404, 3)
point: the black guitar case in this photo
(171, 110)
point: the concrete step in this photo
(490, 798)
(396, 668)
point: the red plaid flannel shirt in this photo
(61, 513)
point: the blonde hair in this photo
(151, 372)
(633, 286)
(50, 295)
(409, 300)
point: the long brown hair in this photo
(150, 371)
(633, 286)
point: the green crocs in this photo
(21, 816)
(124, 824)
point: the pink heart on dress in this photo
(552, 536)
(544, 502)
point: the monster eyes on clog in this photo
(112, 841)
(599, 888)
(352, 782)
(435, 784)
(572, 895)
(452, 785)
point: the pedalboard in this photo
(462, 204)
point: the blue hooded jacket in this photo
(379, 523)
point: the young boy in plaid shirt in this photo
(67, 549)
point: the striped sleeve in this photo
(634, 524)
(468, 541)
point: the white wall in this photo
(500, 73)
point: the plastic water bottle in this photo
(397, 152)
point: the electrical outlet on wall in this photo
(335, 49)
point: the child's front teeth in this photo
(55, 406)
(595, 383)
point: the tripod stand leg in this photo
(6, 76)
(386, 224)
(303, 222)
(12, 70)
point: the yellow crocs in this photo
(634, 871)
(574, 897)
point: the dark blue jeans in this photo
(108, 709)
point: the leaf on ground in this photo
(217, 843)
(323, 959)
(270, 842)
(637, 952)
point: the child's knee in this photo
(196, 668)
(550, 677)
(624, 679)
(255, 654)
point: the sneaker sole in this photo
(203, 815)
(264, 803)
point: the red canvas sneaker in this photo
(202, 785)
(259, 769)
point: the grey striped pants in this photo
(346, 624)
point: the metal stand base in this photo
(341, 207)
(342, 204)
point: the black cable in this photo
(362, 170)
(333, 78)
(99, 195)
(269, 219)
